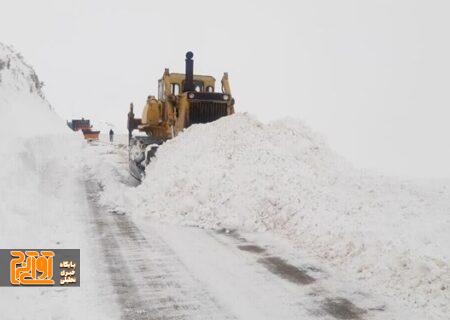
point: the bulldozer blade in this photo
(137, 171)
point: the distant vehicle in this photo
(79, 124)
(85, 126)
(183, 100)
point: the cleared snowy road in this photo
(150, 281)
(162, 271)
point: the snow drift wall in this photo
(240, 173)
(37, 156)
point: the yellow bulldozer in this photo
(183, 100)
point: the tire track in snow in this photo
(335, 307)
(148, 279)
(125, 289)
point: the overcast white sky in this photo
(372, 76)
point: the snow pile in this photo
(280, 177)
(115, 180)
(42, 195)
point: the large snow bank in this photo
(391, 234)
(42, 197)
(32, 146)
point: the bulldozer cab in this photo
(173, 83)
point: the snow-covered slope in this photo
(392, 235)
(24, 110)
(42, 197)
(34, 145)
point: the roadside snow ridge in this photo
(240, 173)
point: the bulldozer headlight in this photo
(225, 97)
(191, 95)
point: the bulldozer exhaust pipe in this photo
(189, 77)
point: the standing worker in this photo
(111, 135)
(131, 122)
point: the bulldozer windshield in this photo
(198, 85)
(175, 88)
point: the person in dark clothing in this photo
(111, 135)
(130, 122)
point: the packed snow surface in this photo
(392, 235)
